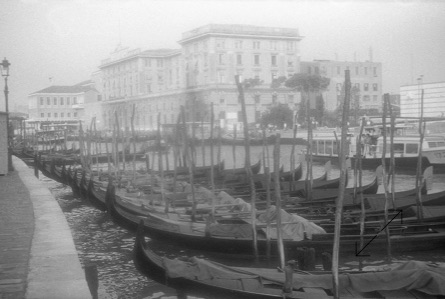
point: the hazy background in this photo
(66, 40)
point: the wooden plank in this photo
(395, 294)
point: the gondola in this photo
(234, 235)
(255, 168)
(204, 278)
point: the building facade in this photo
(366, 80)
(433, 100)
(59, 104)
(201, 73)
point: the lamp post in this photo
(5, 73)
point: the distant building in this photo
(159, 82)
(59, 104)
(433, 100)
(366, 78)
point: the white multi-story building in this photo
(159, 82)
(60, 104)
(366, 77)
(433, 100)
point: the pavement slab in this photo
(38, 258)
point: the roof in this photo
(240, 30)
(83, 83)
(161, 52)
(65, 89)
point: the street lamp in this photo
(5, 73)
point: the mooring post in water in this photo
(247, 164)
(92, 279)
(288, 282)
(343, 169)
(36, 166)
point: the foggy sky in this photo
(66, 40)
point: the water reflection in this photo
(101, 242)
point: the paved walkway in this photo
(38, 258)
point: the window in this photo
(62, 114)
(375, 87)
(68, 114)
(314, 146)
(48, 101)
(366, 98)
(221, 59)
(61, 101)
(42, 115)
(328, 148)
(290, 60)
(256, 59)
(399, 148)
(55, 115)
(366, 87)
(75, 100)
(257, 99)
(42, 101)
(274, 60)
(334, 148)
(221, 101)
(238, 44)
(49, 114)
(221, 77)
(256, 45)
(412, 148)
(68, 100)
(357, 86)
(239, 59)
(220, 43)
(55, 101)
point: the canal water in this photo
(101, 242)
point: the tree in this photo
(278, 116)
(307, 84)
(301, 112)
(251, 83)
(278, 82)
(196, 108)
(318, 112)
